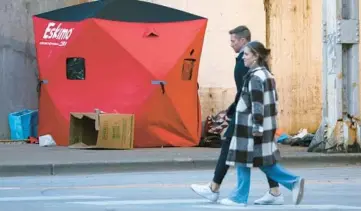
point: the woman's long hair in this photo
(257, 48)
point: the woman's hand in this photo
(257, 134)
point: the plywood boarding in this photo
(295, 38)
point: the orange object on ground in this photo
(279, 132)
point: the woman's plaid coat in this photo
(253, 142)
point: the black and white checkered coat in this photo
(253, 142)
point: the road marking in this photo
(10, 188)
(50, 198)
(142, 202)
(280, 207)
(257, 183)
(214, 206)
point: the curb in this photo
(311, 160)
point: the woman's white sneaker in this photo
(229, 202)
(269, 199)
(297, 191)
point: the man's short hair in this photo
(241, 32)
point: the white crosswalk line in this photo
(205, 204)
(142, 202)
(9, 188)
(280, 207)
(51, 198)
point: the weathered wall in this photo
(295, 39)
(18, 68)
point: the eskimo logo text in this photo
(56, 33)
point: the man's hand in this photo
(227, 118)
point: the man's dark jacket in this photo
(239, 72)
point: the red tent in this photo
(123, 56)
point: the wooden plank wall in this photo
(294, 34)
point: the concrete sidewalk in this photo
(27, 159)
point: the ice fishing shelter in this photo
(124, 56)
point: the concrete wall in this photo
(18, 67)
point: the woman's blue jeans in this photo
(275, 172)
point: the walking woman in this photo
(253, 143)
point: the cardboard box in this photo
(101, 130)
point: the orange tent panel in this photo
(104, 55)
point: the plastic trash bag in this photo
(46, 141)
(23, 124)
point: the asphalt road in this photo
(336, 188)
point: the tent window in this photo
(75, 68)
(187, 70)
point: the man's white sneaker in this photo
(205, 191)
(269, 199)
(229, 202)
(297, 191)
